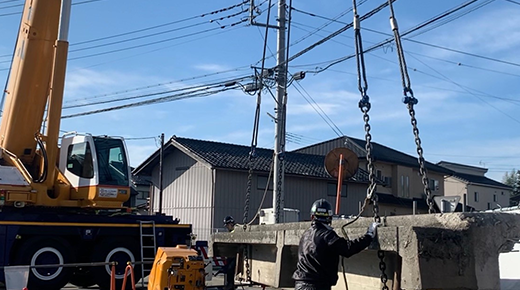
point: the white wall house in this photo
(474, 188)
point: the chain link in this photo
(364, 105)
(246, 214)
(422, 167)
(278, 210)
(410, 101)
(382, 267)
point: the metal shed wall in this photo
(187, 192)
(300, 193)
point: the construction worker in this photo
(229, 223)
(229, 268)
(320, 248)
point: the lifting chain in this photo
(410, 101)
(278, 210)
(246, 213)
(364, 105)
(252, 156)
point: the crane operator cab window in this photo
(112, 162)
(79, 160)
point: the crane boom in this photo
(93, 171)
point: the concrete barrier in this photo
(435, 251)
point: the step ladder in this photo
(148, 246)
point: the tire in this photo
(121, 251)
(45, 251)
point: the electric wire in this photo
(193, 88)
(464, 88)
(337, 32)
(202, 93)
(319, 110)
(154, 85)
(151, 35)
(157, 42)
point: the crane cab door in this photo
(97, 168)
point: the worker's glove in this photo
(372, 229)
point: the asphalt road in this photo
(215, 281)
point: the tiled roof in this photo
(479, 180)
(386, 154)
(232, 156)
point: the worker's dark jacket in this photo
(318, 256)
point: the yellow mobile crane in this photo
(94, 170)
(64, 205)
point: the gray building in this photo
(205, 181)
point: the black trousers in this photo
(230, 273)
(302, 285)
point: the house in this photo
(204, 181)
(475, 189)
(400, 171)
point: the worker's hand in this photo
(372, 229)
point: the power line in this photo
(462, 87)
(155, 85)
(339, 31)
(319, 110)
(148, 35)
(201, 92)
(155, 34)
(188, 89)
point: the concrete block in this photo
(435, 251)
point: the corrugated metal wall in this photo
(187, 192)
(300, 193)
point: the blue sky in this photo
(464, 70)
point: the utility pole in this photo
(280, 110)
(161, 167)
(280, 116)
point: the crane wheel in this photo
(46, 251)
(118, 250)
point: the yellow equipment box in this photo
(177, 268)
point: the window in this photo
(502, 193)
(494, 197)
(388, 181)
(434, 184)
(332, 189)
(143, 194)
(405, 186)
(262, 182)
(112, 163)
(79, 160)
(379, 174)
(489, 205)
(476, 196)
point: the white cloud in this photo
(211, 67)
(491, 32)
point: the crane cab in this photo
(97, 169)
